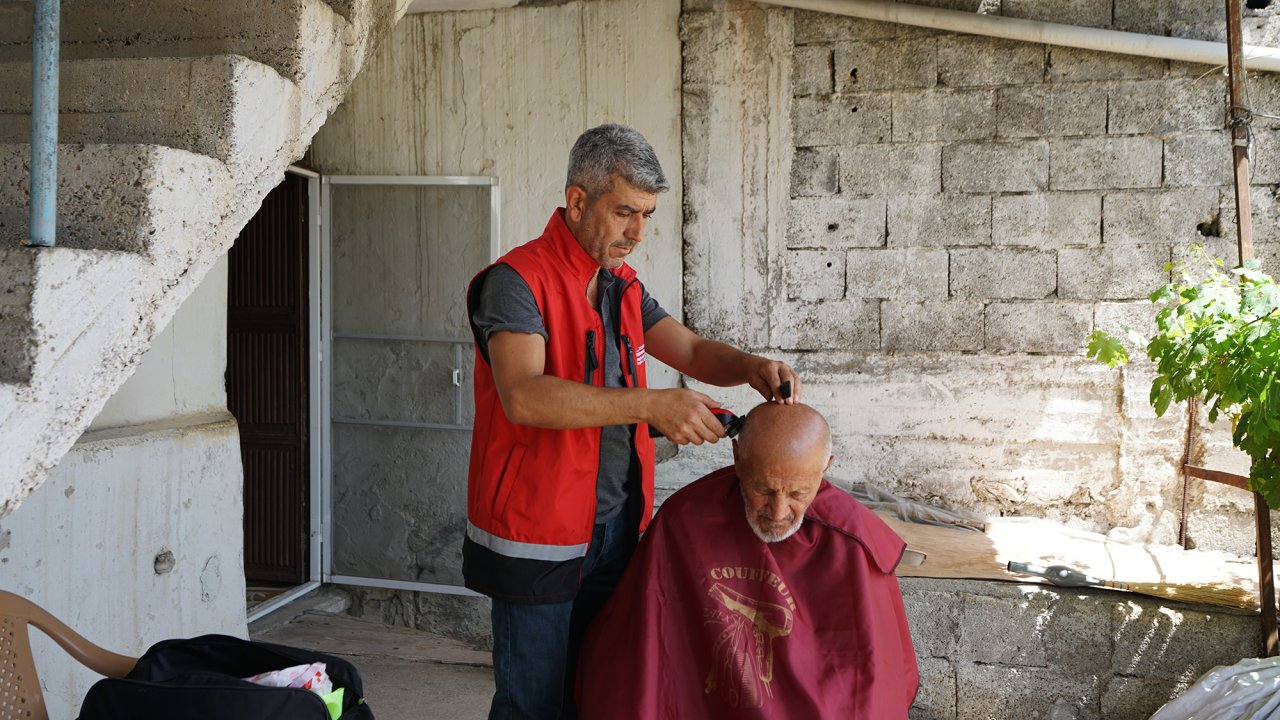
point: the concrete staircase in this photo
(177, 117)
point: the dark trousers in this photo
(535, 647)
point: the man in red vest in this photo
(561, 474)
(759, 592)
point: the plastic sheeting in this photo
(1248, 690)
(880, 500)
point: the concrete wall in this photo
(468, 93)
(927, 225)
(1000, 651)
(933, 224)
(136, 535)
(930, 262)
(182, 373)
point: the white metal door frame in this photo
(315, 424)
(324, 401)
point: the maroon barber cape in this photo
(711, 622)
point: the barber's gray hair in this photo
(606, 150)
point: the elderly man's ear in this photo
(830, 461)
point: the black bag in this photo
(200, 679)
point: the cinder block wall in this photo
(1003, 652)
(927, 225)
(940, 219)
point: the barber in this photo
(560, 482)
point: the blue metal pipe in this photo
(44, 123)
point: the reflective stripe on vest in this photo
(527, 551)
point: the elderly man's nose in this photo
(778, 510)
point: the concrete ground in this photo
(407, 673)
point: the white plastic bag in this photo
(311, 677)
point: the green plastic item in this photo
(333, 701)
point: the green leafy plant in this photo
(1217, 339)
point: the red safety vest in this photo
(531, 492)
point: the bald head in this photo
(780, 457)
(774, 432)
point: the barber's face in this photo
(777, 494)
(610, 226)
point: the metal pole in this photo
(1266, 576)
(1239, 130)
(1193, 418)
(1034, 31)
(44, 123)
(1244, 238)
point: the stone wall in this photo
(927, 225)
(910, 259)
(995, 650)
(955, 213)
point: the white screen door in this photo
(397, 374)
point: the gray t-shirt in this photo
(506, 304)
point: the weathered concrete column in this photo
(737, 155)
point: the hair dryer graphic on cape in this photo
(743, 651)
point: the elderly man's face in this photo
(776, 495)
(779, 457)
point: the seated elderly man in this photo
(759, 591)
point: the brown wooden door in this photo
(267, 381)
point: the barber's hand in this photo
(684, 416)
(767, 377)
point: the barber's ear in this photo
(575, 203)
